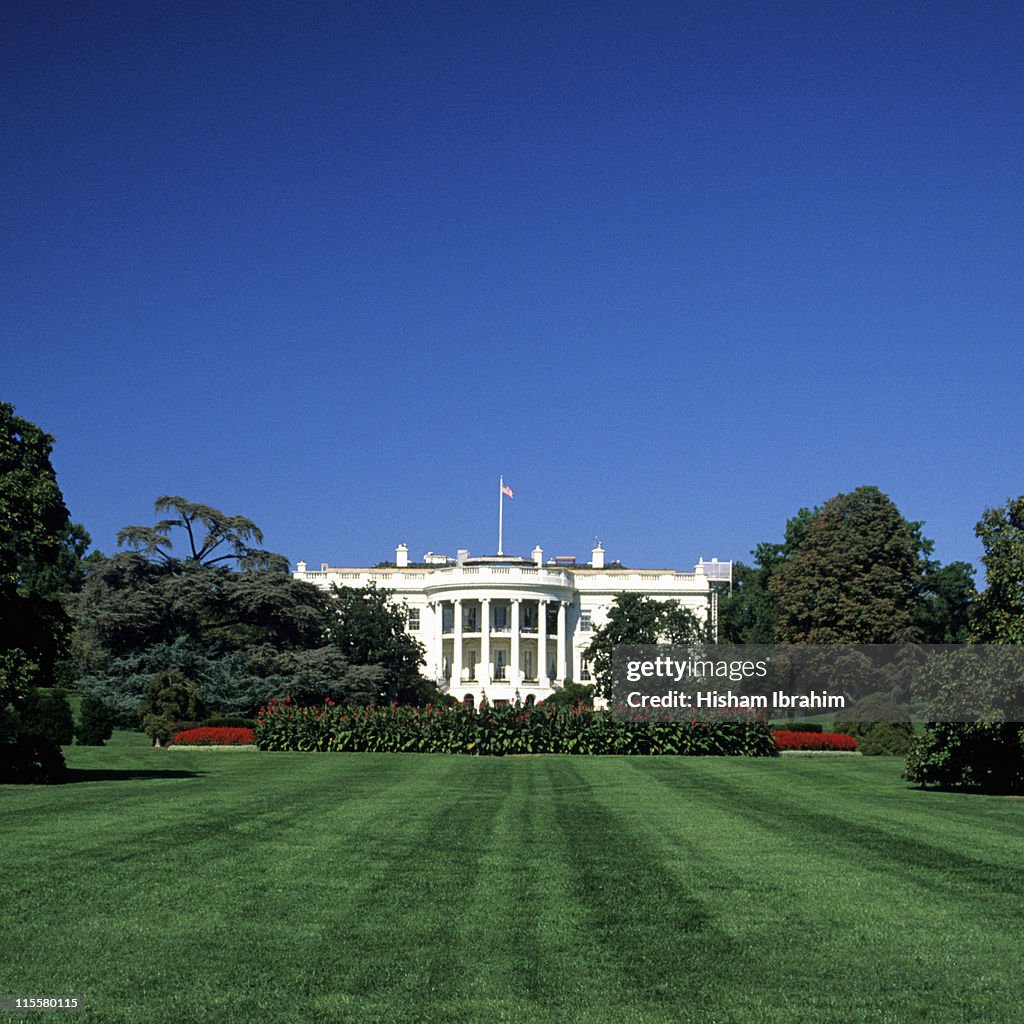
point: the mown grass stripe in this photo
(550, 889)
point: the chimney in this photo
(402, 556)
(301, 567)
(597, 556)
(538, 555)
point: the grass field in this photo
(179, 886)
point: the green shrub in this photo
(570, 696)
(28, 758)
(796, 725)
(880, 726)
(228, 723)
(885, 739)
(95, 724)
(987, 757)
(47, 713)
(284, 725)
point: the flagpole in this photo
(501, 497)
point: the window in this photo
(584, 670)
(500, 617)
(414, 619)
(585, 621)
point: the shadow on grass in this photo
(115, 775)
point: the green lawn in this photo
(249, 887)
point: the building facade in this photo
(509, 627)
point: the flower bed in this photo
(214, 736)
(786, 739)
(283, 725)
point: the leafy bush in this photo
(26, 758)
(798, 726)
(569, 696)
(981, 685)
(229, 723)
(987, 757)
(184, 726)
(284, 725)
(96, 722)
(879, 725)
(786, 739)
(886, 739)
(47, 713)
(206, 736)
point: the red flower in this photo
(791, 739)
(209, 736)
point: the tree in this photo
(978, 689)
(748, 614)
(207, 530)
(999, 613)
(96, 723)
(946, 601)
(130, 604)
(853, 575)
(634, 620)
(170, 697)
(224, 615)
(35, 530)
(368, 628)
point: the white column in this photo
(542, 642)
(457, 642)
(560, 648)
(514, 670)
(485, 638)
(437, 638)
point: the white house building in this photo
(506, 626)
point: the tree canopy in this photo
(633, 620)
(225, 615)
(40, 550)
(999, 614)
(852, 575)
(367, 628)
(212, 537)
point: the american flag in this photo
(506, 490)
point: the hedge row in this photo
(283, 725)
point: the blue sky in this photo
(676, 270)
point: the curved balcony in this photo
(511, 577)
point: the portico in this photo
(518, 640)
